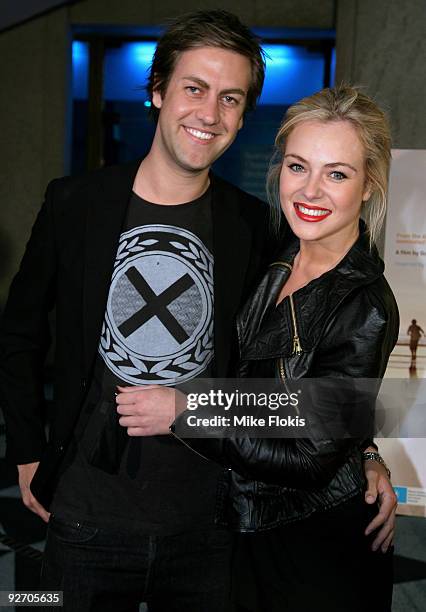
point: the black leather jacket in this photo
(342, 324)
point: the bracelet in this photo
(370, 456)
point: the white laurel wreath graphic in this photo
(169, 368)
(132, 246)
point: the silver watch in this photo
(370, 456)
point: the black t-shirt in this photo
(158, 328)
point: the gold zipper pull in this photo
(297, 347)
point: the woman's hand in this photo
(380, 489)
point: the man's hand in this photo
(26, 472)
(380, 488)
(148, 410)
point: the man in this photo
(127, 255)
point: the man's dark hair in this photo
(214, 28)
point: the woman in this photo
(324, 309)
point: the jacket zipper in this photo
(281, 369)
(282, 376)
(297, 347)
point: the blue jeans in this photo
(102, 570)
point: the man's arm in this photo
(24, 340)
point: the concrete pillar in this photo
(34, 77)
(381, 44)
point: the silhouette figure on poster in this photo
(415, 332)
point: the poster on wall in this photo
(405, 259)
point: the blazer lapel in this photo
(105, 217)
(231, 246)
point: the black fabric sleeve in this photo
(24, 340)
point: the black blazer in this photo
(68, 263)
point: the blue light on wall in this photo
(80, 70)
(126, 69)
(292, 72)
(333, 67)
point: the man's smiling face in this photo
(202, 109)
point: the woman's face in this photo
(322, 181)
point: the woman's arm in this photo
(357, 344)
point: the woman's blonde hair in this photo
(342, 103)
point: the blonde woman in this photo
(323, 309)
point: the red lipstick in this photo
(311, 218)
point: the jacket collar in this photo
(361, 265)
(267, 330)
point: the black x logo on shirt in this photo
(156, 305)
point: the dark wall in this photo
(14, 12)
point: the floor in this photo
(402, 365)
